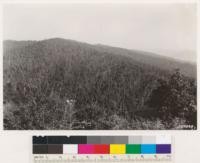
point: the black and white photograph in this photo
(100, 66)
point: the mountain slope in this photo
(65, 84)
(166, 63)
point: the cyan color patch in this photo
(148, 148)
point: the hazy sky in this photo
(166, 29)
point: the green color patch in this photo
(133, 148)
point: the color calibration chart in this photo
(64, 149)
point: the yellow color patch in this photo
(117, 148)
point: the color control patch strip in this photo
(102, 145)
(102, 149)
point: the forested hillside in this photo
(64, 84)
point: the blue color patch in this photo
(148, 148)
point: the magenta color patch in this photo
(85, 149)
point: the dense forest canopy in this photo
(64, 84)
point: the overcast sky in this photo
(166, 29)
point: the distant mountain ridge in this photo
(149, 58)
